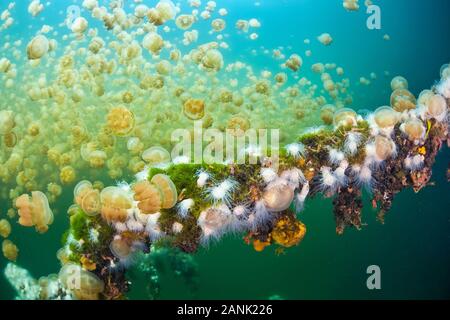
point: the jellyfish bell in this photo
(399, 83)
(194, 109)
(214, 221)
(414, 129)
(10, 250)
(84, 285)
(120, 121)
(184, 21)
(436, 108)
(278, 198)
(38, 47)
(149, 197)
(386, 118)
(7, 122)
(156, 156)
(327, 114)
(34, 211)
(120, 249)
(168, 190)
(384, 148)
(115, 203)
(403, 100)
(345, 117)
(10, 139)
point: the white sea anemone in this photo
(184, 206)
(153, 228)
(93, 235)
(339, 173)
(352, 142)
(222, 192)
(414, 163)
(295, 150)
(202, 178)
(142, 175)
(294, 177)
(335, 156)
(328, 181)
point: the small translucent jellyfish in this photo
(97, 159)
(403, 100)
(437, 107)
(413, 129)
(34, 211)
(212, 60)
(7, 122)
(168, 190)
(194, 109)
(288, 231)
(399, 83)
(294, 62)
(327, 114)
(424, 96)
(84, 285)
(10, 140)
(115, 204)
(325, 39)
(218, 25)
(184, 21)
(134, 145)
(386, 117)
(345, 117)
(214, 221)
(153, 42)
(38, 47)
(87, 198)
(79, 25)
(10, 250)
(120, 249)
(384, 148)
(149, 197)
(156, 156)
(5, 228)
(120, 121)
(67, 175)
(238, 125)
(350, 5)
(278, 198)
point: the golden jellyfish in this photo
(384, 148)
(7, 122)
(10, 140)
(278, 198)
(97, 159)
(10, 250)
(294, 62)
(168, 190)
(413, 129)
(155, 17)
(212, 60)
(67, 175)
(403, 100)
(345, 117)
(84, 285)
(127, 97)
(34, 211)
(436, 107)
(399, 83)
(218, 25)
(184, 21)
(149, 197)
(288, 231)
(153, 43)
(134, 145)
(5, 228)
(87, 198)
(156, 156)
(115, 204)
(325, 39)
(120, 249)
(79, 25)
(120, 121)
(238, 125)
(386, 117)
(166, 9)
(38, 47)
(194, 109)
(327, 114)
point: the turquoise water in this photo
(412, 248)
